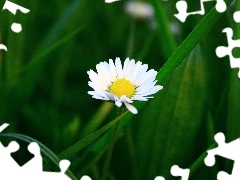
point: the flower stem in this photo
(111, 145)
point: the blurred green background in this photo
(44, 84)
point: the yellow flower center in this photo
(122, 87)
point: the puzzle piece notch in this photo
(227, 150)
(182, 6)
(5, 156)
(182, 11)
(222, 51)
(36, 161)
(210, 159)
(159, 178)
(85, 178)
(177, 171)
(34, 167)
(236, 16)
(64, 165)
(13, 146)
(221, 6)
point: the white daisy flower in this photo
(139, 9)
(123, 84)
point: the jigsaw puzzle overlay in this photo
(177, 172)
(226, 150)
(33, 169)
(182, 9)
(15, 27)
(229, 151)
(222, 51)
(221, 7)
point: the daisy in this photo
(139, 9)
(123, 84)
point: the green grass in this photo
(44, 84)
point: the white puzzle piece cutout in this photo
(182, 7)
(222, 51)
(229, 151)
(177, 172)
(12, 7)
(33, 169)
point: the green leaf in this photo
(171, 122)
(189, 43)
(89, 139)
(167, 41)
(199, 162)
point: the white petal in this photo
(111, 96)
(100, 92)
(141, 73)
(125, 67)
(100, 98)
(152, 90)
(118, 103)
(119, 68)
(97, 95)
(107, 69)
(113, 70)
(92, 93)
(123, 98)
(139, 98)
(131, 108)
(147, 85)
(129, 100)
(150, 74)
(96, 80)
(96, 86)
(103, 73)
(135, 71)
(151, 84)
(130, 69)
